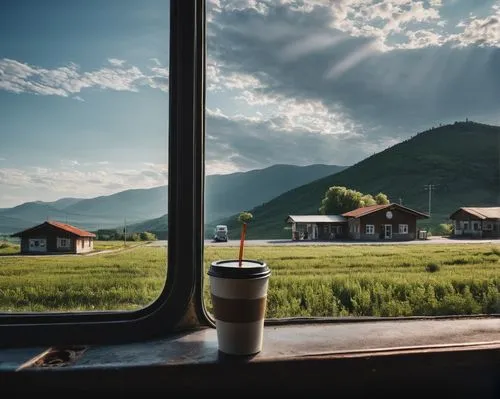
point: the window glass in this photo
(83, 223)
(375, 120)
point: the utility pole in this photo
(400, 201)
(125, 232)
(430, 187)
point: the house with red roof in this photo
(390, 222)
(53, 237)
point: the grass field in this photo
(306, 281)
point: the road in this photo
(284, 242)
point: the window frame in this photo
(403, 228)
(185, 205)
(371, 230)
(180, 306)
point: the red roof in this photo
(356, 213)
(71, 229)
(63, 226)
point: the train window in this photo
(357, 133)
(119, 74)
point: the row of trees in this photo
(113, 235)
(340, 199)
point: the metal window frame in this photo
(185, 209)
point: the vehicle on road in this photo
(221, 233)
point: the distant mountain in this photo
(134, 205)
(11, 225)
(462, 160)
(225, 194)
(159, 226)
(62, 203)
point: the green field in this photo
(357, 280)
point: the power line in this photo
(430, 187)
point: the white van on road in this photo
(220, 233)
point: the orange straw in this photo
(243, 231)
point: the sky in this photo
(84, 85)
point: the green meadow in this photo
(336, 280)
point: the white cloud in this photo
(18, 77)
(78, 98)
(74, 179)
(480, 31)
(220, 77)
(420, 21)
(116, 62)
(221, 167)
(69, 162)
(156, 61)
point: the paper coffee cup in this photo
(239, 295)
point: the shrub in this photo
(444, 229)
(147, 236)
(432, 268)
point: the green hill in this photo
(462, 159)
(158, 226)
(227, 194)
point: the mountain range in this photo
(460, 160)
(145, 209)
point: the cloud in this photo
(387, 93)
(480, 31)
(69, 163)
(381, 20)
(74, 179)
(244, 143)
(116, 62)
(19, 77)
(3, 159)
(156, 61)
(78, 98)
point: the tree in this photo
(367, 200)
(340, 199)
(381, 199)
(147, 236)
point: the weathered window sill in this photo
(346, 355)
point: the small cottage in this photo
(479, 222)
(378, 222)
(54, 238)
(383, 222)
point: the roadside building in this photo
(317, 227)
(53, 237)
(378, 222)
(478, 222)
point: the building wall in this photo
(84, 244)
(52, 237)
(353, 228)
(467, 225)
(323, 230)
(378, 220)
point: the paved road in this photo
(432, 240)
